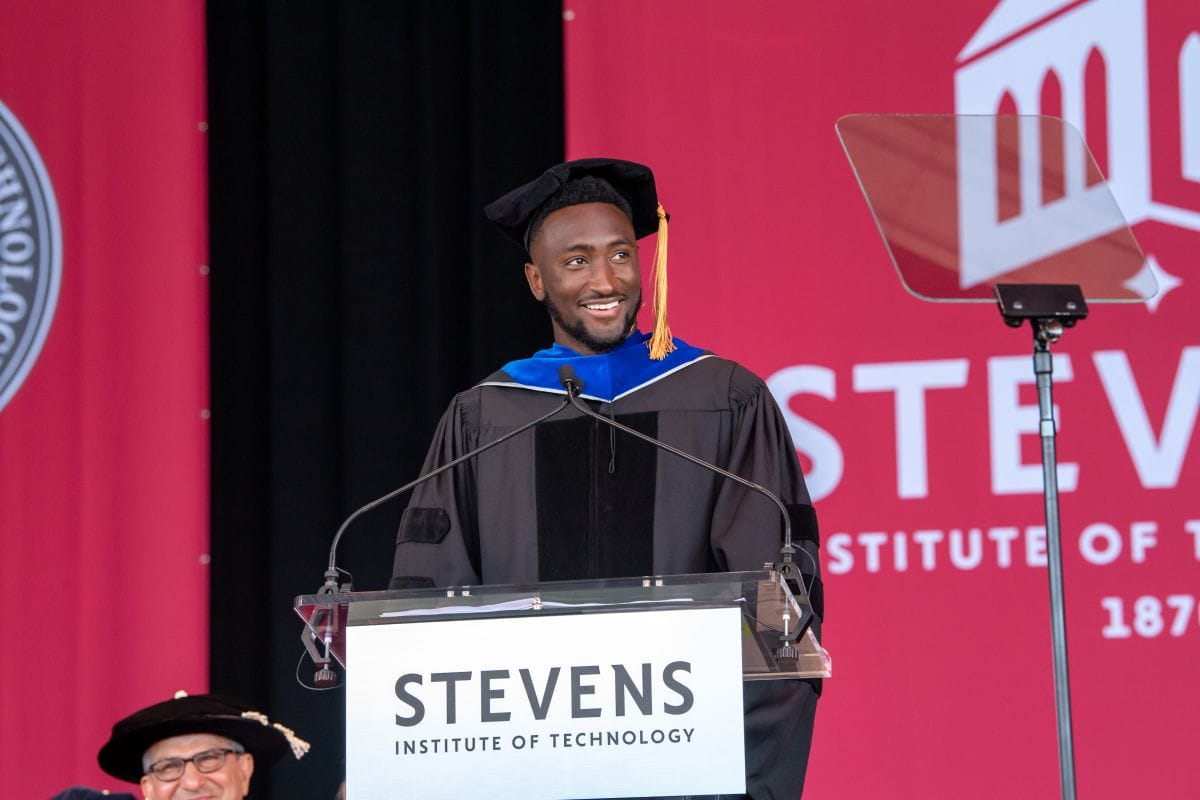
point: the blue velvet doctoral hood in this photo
(606, 377)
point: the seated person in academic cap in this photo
(201, 746)
(575, 500)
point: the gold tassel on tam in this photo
(660, 342)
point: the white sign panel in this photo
(630, 704)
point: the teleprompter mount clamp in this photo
(1049, 307)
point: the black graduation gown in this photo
(575, 499)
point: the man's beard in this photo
(579, 332)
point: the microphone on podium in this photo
(573, 386)
(324, 676)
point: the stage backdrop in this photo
(103, 376)
(916, 422)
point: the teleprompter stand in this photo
(1050, 309)
(1011, 210)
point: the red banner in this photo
(103, 375)
(916, 422)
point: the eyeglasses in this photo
(171, 769)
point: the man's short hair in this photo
(588, 189)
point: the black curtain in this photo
(355, 286)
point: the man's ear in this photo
(534, 277)
(247, 762)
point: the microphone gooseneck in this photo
(331, 573)
(321, 655)
(786, 568)
(573, 387)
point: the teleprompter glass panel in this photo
(966, 202)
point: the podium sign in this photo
(575, 705)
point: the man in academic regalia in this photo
(195, 746)
(575, 499)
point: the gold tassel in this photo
(660, 342)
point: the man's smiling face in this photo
(230, 782)
(584, 267)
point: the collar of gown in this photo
(606, 377)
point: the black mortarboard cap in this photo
(514, 212)
(121, 755)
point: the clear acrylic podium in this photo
(770, 610)
(470, 667)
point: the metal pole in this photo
(1046, 332)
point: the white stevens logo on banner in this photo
(1089, 64)
(1097, 64)
(638, 703)
(30, 254)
